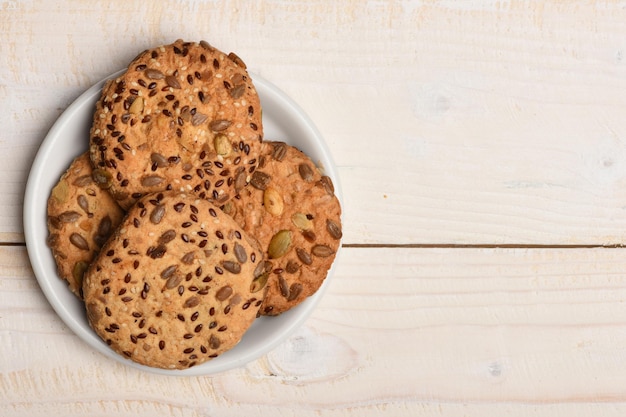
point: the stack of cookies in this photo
(180, 226)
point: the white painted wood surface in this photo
(453, 124)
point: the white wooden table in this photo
(482, 153)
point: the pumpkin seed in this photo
(102, 178)
(61, 191)
(79, 271)
(259, 282)
(279, 245)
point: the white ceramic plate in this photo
(282, 120)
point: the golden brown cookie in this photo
(290, 207)
(81, 217)
(174, 286)
(183, 117)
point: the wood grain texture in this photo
(472, 122)
(469, 332)
(457, 127)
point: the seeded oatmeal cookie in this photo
(174, 286)
(183, 117)
(81, 217)
(290, 207)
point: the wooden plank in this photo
(451, 122)
(473, 332)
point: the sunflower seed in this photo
(240, 180)
(232, 267)
(152, 180)
(304, 256)
(83, 203)
(224, 292)
(334, 230)
(157, 214)
(240, 253)
(167, 236)
(105, 227)
(220, 125)
(169, 271)
(283, 286)
(306, 173)
(159, 160)
(260, 180)
(292, 267)
(171, 81)
(154, 74)
(279, 151)
(173, 281)
(82, 181)
(69, 216)
(238, 91)
(294, 291)
(322, 251)
(192, 302)
(198, 118)
(328, 186)
(79, 241)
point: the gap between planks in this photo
(442, 246)
(476, 246)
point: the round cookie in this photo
(290, 207)
(81, 216)
(183, 117)
(175, 285)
